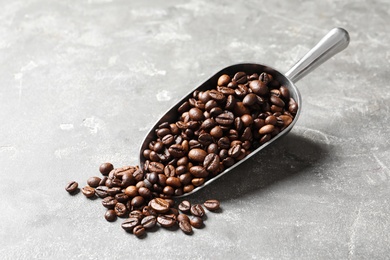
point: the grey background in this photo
(82, 81)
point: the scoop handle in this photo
(335, 41)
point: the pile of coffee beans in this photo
(125, 194)
(215, 129)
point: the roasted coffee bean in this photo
(152, 177)
(212, 205)
(224, 142)
(148, 211)
(188, 188)
(103, 181)
(185, 178)
(110, 215)
(277, 101)
(197, 210)
(240, 77)
(234, 151)
(198, 181)
(156, 167)
(167, 220)
(265, 77)
(138, 175)
(182, 217)
(223, 80)
(168, 190)
(270, 120)
(88, 192)
(213, 148)
(196, 222)
(216, 132)
(121, 197)
(196, 114)
(247, 120)
(285, 93)
(184, 206)
(105, 168)
(120, 209)
(71, 187)
(228, 161)
(136, 214)
(250, 99)
(211, 162)
(185, 226)
(93, 181)
(217, 96)
(197, 155)
(168, 139)
(174, 182)
(214, 112)
(205, 139)
(226, 118)
(137, 201)
(159, 205)
(184, 107)
(131, 191)
(161, 132)
(198, 171)
(149, 222)
(130, 223)
(109, 202)
(113, 191)
(139, 231)
(258, 87)
(101, 191)
(267, 129)
(181, 169)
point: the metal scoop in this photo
(332, 43)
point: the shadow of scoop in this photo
(288, 157)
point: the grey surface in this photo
(82, 81)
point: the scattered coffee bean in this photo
(196, 222)
(130, 223)
(185, 226)
(197, 210)
(159, 205)
(139, 231)
(167, 220)
(72, 187)
(89, 192)
(149, 222)
(93, 182)
(211, 205)
(185, 206)
(110, 215)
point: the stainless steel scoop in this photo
(332, 43)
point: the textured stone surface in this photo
(81, 82)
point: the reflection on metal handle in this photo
(332, 43)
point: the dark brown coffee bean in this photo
(286, 120)
(185, 178)
(292, 106)
(110, 215)
(176, 150)
(214, 112)
(167, 220)
(199, 171)
(169, 171)
(181, 169)
(213, 148)
(188, 188)
(247, 134)
(113, 191)
(138, 175)
(130, 223)
(105, 168)
(137, 201)
(212, 205)
(197, 155)
(139, 231)
(277, 101)
(136, 214)
(184, 206)
(131, 191)
(101, 191)
(270, 120)
(184, 107)
(121, 197)
(211, 162)
(247, 120)
(216, 132)
(217, 96)
(230, 102)
(223, 80)
(88, 192)
(196, 222)
(203, 96)
(267, 129)
(197, 181)
(71, 187)
(226, 90)
(225, 119)
(197, 210)
(156, 167)
(240, 77)
(258, 87)
(149, 222)
(234, 151)
(228, 161)
(240, 109)
(210, 105)
(168, 139)
(103, 181)
(250, 99)
(285, 92)
(185, 226)
(120, 209)
(265, 77)
(174, 182)
(196, 114)
(224, 142)
(265, 138)
(168, 190)
(109, 202)
(148, 211)
(93, 181)
(159, 205)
